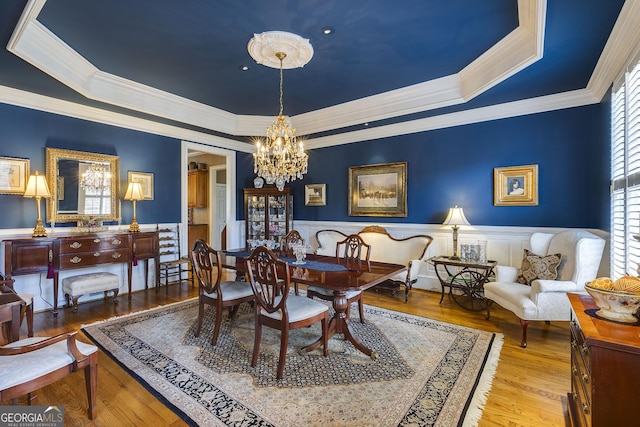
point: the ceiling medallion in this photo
(279, 158)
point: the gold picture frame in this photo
(315, 195)
(515, 186)
(145, 179)
(378, 190)
(14, 174)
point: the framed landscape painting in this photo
(515, 186)
(378, 190)
(14, 174)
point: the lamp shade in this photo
(134, 191)
(37, 186)
(456, 217)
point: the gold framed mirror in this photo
(82, 184)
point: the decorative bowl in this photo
(618, 306)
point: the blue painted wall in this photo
(445, 167)
(455, 166)
(26, 133)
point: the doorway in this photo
(219, 211)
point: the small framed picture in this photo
(515, 186)
(14, 174)
(145, 179)
(315, 195)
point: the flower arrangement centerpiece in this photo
(90, 224)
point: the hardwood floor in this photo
(528, 388)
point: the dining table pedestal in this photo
(339, 324)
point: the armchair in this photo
(32, 363)
(547, 299)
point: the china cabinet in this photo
(268, 213)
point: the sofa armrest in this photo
(506, 273)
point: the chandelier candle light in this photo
(279, 158)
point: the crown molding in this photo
(47, 104)
(510, 109)
(623, 42)
(37, 45)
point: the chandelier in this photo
(280, 158)
(96, 178)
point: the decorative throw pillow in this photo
(538, 267)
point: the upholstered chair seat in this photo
(546, 299)
(32, 363)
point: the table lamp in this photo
(134, 193)
(455, 218)
(37, 187)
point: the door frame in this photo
(230, 165)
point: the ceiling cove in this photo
(37, 45)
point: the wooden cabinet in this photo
(198, 189)
(268, 213)
(76, 251)
(605, 373)
(197, 231)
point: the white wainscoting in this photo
(504, 244)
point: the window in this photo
(625, 174)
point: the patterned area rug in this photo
(427, 372)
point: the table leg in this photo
(339, 324)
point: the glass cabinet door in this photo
(268, 214)
(256, 218)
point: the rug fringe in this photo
(476, 407)
(135, 313)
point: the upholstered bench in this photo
(76, 286)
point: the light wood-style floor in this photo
(528, 389)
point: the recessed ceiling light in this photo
(244, 68)
(327, 30)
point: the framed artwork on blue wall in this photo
(515, 186)
(378, 190)
(13, 175)
(315, 195)
(145, 179)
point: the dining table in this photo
(332, 273)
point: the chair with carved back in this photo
(35, 362)
(352, 250)
(214, 291)
(275, 308)
(6, 287)
(291, 238)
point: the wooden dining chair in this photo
(292, 237)
(276, 308)
(350, 251)
(212, 290)
(6, 287)
(32, 363)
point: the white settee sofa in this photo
(410, 251)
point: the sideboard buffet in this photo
(605, 373)
(80, 250)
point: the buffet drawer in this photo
(92, 243)
(87, 259)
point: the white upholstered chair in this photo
(32, 363)
(547, 299)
